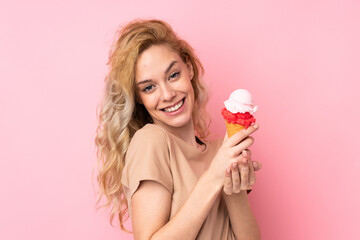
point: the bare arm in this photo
(151, 202)
(151, 208)
(238, 180)
(242, 219)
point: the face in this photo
(163, 83)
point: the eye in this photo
(148, 88)
(174, 75)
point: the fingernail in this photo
(244, 153)
(255, 164)
(256, 125)
(228, 171)
(234, 165)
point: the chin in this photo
(178, 123)
(183, 123)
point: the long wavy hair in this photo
(121, 116)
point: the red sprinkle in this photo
(244, 119)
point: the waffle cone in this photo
(233, 128)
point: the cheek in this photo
(149, 101)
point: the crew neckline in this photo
(198, 140)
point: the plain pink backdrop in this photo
(300, 60)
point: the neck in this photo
(186, 132)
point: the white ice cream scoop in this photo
(240, 101)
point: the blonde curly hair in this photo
(121, 116)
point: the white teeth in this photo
(174, 108)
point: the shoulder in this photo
(148, 148)
(147, 158)
(150, 134)
(149, 141)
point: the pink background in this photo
(300, 60)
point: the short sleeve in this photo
(147, 158)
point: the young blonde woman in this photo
(155, 164)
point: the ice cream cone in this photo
(238, 111)
(233, 128)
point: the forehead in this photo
(155, 60)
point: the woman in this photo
(155, 161)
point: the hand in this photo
(230, 152)
(240, 175)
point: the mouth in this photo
(174, 107)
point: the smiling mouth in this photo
(174, 108)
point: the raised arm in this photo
(237, 182)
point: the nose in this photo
(167, 93)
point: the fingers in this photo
(235, 178)
(246, 153)
(241, 174)
(256, 165)
(244, 173)
(228, 182)
(253, 166)
(232, 179)
(252, 176)
(244, 144)
(241, 135)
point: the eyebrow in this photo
(166, 72)
(170, 66)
